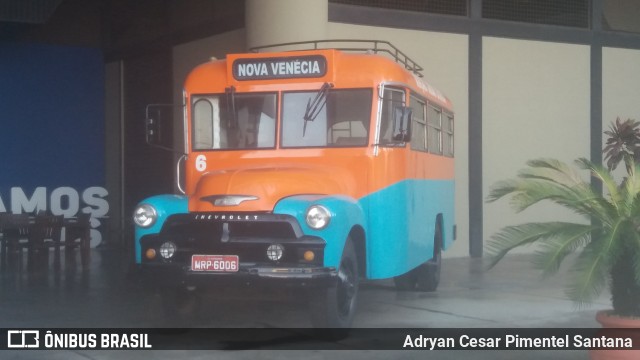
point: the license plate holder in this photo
(215, 263)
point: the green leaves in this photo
(549, 179)
(623, 143)
(614, 218)
(588, 274)
(557, 240)
(566, 238)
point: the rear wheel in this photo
(335, 306)
(406, 281)
(426, 276)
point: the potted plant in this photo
(608, 241)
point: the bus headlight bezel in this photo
(167, 250)
(318, 217)
(145, 215)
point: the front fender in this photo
(345, 214)
(165, 205)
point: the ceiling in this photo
(27, 11)
(122, 28)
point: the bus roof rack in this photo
(352, 45)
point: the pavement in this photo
(107, 295)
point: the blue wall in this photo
(51, 117)
(52, 131)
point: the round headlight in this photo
(145, 215)
(318, 217)
(167, 249)
(275, 252)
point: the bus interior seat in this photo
(351, 141)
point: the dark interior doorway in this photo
(147, 170)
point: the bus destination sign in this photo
(312, 66)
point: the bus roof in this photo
(297, 70)
(351, 45)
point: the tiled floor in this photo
(107, 295)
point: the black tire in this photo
(406, 281)
(334, 307)
(180, 305)
(428, 274)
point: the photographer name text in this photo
(516, 342)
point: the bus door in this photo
(390, 198)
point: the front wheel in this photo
(180, 305)
(335, 306)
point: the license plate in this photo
(215, 263)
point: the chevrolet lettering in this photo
(237, 217)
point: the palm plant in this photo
(608, 241)
(623, 143)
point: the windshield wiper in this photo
(315, 107)
(230, 93)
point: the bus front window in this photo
(342, 121)
(215, 126)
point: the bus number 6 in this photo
(201, 163)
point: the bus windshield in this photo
(248, 120)
(234, 121)
(342, 119)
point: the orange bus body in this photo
(344, 166)
(296, 202)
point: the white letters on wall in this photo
(64, 201)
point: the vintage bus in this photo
(312, 168)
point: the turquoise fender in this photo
(345, 214)
(165, 205)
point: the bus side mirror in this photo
(152, 131)
(402, 123)
(159, 126)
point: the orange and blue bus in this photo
(312, 168)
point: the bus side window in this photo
(434, 120)
(448, 135)
(205, 111)
(419, 125)
(391, 98)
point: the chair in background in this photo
(44, 233)
(15, 232)
(78, 235)
(4, 217)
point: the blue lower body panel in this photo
(401, 224)
(398, 223)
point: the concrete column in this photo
(114, 137)
(278, 21)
